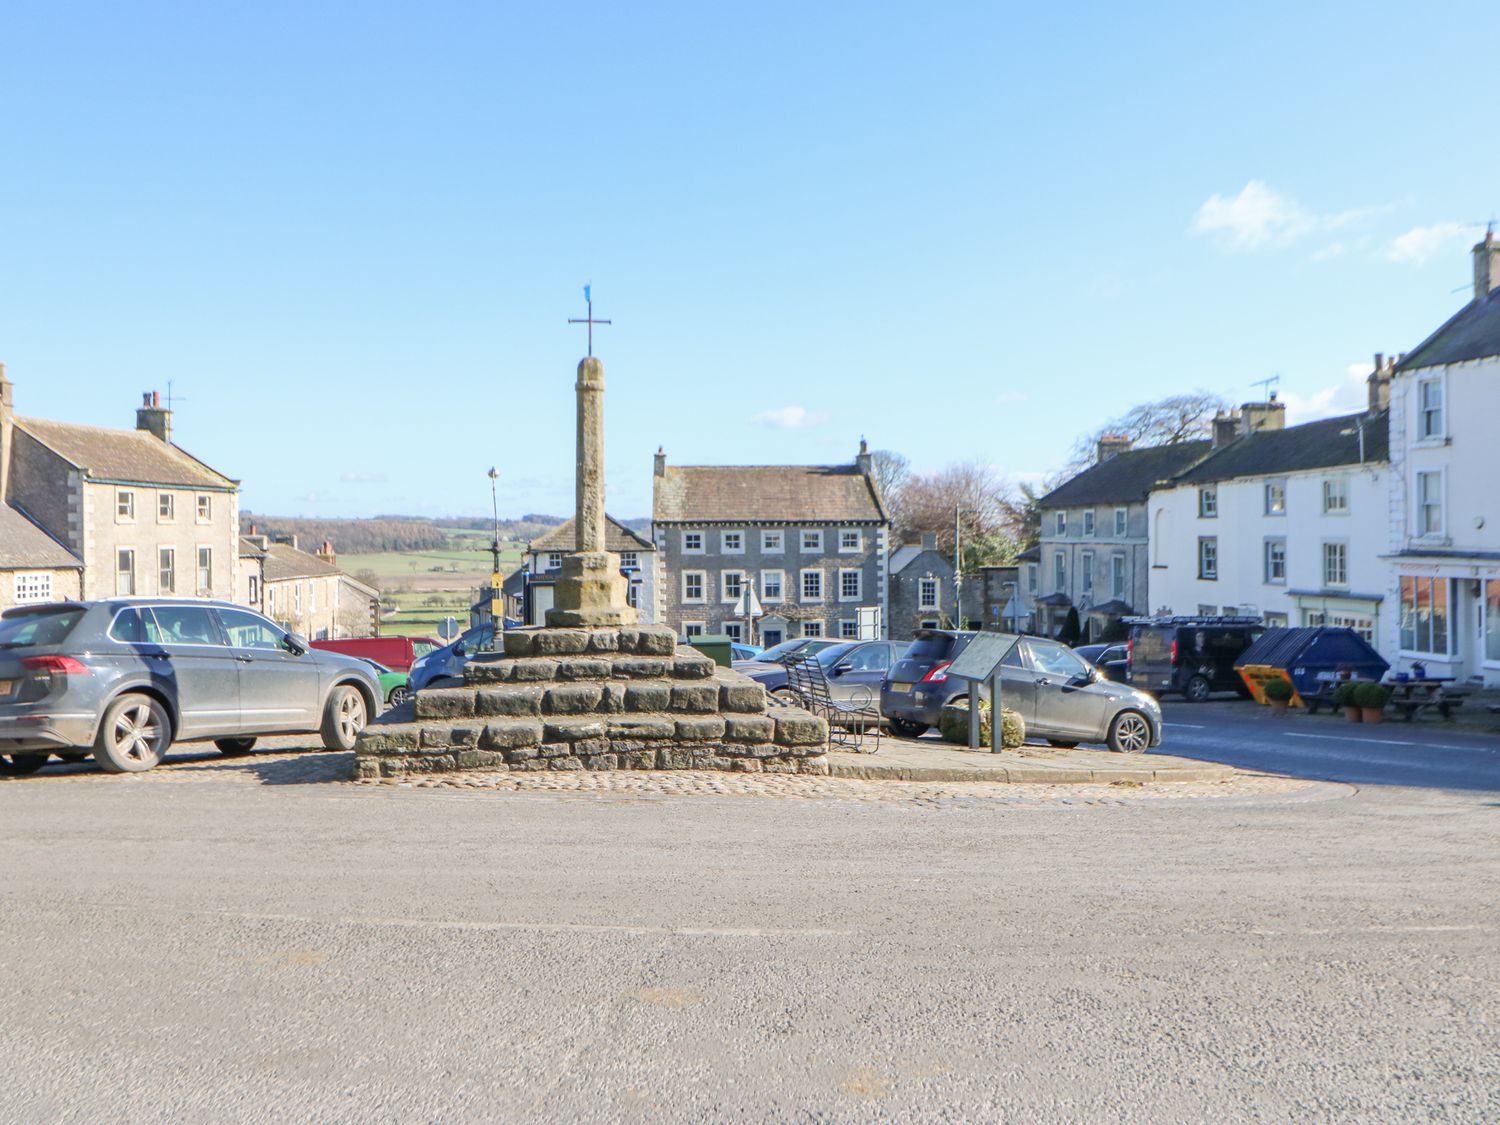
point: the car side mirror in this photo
(840, 669)
(295, 644)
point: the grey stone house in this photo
(1094, 554)
(811, 540)
(543, 563)
(136, 511)
(922, 595)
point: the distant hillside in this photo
(389, 533)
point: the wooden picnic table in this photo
(1412, 697)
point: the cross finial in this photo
(589, 319)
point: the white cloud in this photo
(1421, 243)
(363, 478)
(790, 418)
(1344, 397)
(1004, 398)
(1261, 216)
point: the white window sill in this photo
(1431, 442)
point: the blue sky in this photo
(350, 235)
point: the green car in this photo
(395, 686)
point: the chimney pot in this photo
(1486, 266)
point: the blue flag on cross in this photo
(586, 295)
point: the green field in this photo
(411, 579)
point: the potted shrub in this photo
(1343, 696)
(1278, 695)
(1371, 699)
(953, 725)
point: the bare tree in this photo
(892, 471)
(1168, 421)
(973, 492)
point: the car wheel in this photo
(399, 695)
(1130, 733)
(1062, 743)
(133, 736)
(909, 728)
(343, 718)
(1197, 690)
(19, 765)
(234, 747)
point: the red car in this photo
(397, 653)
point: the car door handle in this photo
(1044, 682)
(243, 659)
(159, 656)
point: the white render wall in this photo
(1242, 528)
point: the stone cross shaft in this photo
(589, 516)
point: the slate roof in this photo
(1312, 445)
(136, 456)
(283, 561)
(617, 538)
(24, 545)
(1471, 333)
(1126, 477)
(902, 557)
(250, 549)
(766, 494)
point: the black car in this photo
(917, 686)
(1191, 656)
(1111, 659)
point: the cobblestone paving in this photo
(308, 767)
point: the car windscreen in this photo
(49, 626)
(776, 652)
(834, 653)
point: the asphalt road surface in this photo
(1425, 753)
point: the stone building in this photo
(138, 513)
(306, 593)
(812, 539)
(922, 592)
(34, 567)
(1094, 552)
(543, 563)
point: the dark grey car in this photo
(124, 678)
(854, 669)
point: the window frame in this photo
(765, 592)
(694, 629)
(1086, 573)
(1122, 523)
(802, 541)
(1267, 507)
(739, 546)
(803, 575)
(1432, 583)
(1267, 545)
(725, 598)
(688, 548)
(1118, 576)
(1335, 549)
(702, 577)
(125, 574)
(1440, 476)
(812, 628)
(124, 505)
(859, 541)
(1426, 413)
(767, 536)
(1208, 502)
(166, 570)
(1208, 545)
(1335, 492)
(858, 574)
(204, 508)
(923, 602)
(166, 507)
(1090, 523)
(848, 629)
(31, 587)
(1060, 522)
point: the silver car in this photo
(122, 679)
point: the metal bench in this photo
(851, 721)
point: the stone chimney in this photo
(1226, 428)
(325, 552)
(661, 461)
(7, 422)
(865, 462)
(1268, 415)
(1379, 383)
(1486, 265)
(153, 417)
(1111, 445)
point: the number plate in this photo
(6, 686)
(901, 687)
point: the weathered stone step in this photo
(646, 640)
(730, 693)
(492, 668)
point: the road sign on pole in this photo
(448, 628)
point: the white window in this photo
(33, 586)
(1424, 615)
(851, 584)
(1060, 523)
(812, 585)
(205, 571)
(812, 628)
(812, 542)
(1088, 521)
(693, 585)
(166, 507)
(1086, 571)
(927, 593)
(1276, 498)
(1336, 496)
(851, 542)
(692, 542)
(734, 630)
(1059, 571)
(771, 585)
(296, 597)
(1208, 557)
(1208, 503)
(773, 542)
(554, 560)
(1275, 550)
(1031, 569)
(693, 628)
(312, 596)
(630, 560)
(731, 585)
(1430, 503)
(1430, 409)
(124, 504)
(732, 542)
(254, 589)
(125, 571)
(1117, 576)
(1122, 522)
(1335, 564)
(205, 507)
(849, 630)
(166, 565)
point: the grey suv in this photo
(124, 678)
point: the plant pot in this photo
(1278, 706)
(1372, 714)
(1353, 714)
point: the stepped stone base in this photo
(595, 698)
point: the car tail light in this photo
(938, 674)
(1174, 652)
(54, 666)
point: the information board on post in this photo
(980, 663)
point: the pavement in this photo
(930, 759)
(247, 940)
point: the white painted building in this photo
(1288, 523)
(1444, 498)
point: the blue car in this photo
(444, 667)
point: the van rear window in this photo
(49, 626)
